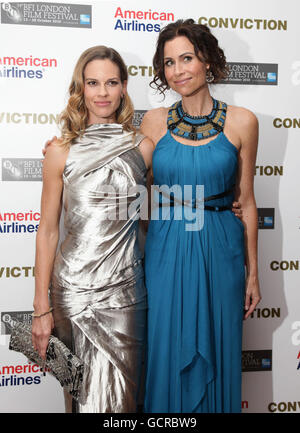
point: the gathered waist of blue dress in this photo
(172, 200)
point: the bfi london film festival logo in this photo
(257, 360)
(46, 14)
(252, 73)
(10, 318)
(21, 169)
(266, 218)
(138, 117)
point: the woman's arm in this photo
(145, 222)
(248, 132)
(46, 243)
(146, 148)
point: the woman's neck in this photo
(199, 104)
(93, 119)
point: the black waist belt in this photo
(206, 207)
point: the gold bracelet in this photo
(42, 314)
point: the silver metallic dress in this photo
(97, 287)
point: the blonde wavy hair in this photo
(74, 118)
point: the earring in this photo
(209, 77)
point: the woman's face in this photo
(184, 72)
(103, 90)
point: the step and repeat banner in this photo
(40, 44)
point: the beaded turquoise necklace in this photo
(197, 127)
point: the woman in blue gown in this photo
(198, 290)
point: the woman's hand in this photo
(41, 330)
(237, 209)
(48, 143)
(253, 296)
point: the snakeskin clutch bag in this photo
(62, 363)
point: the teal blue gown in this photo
(196, 284)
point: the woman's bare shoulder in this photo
(55, 157)
(241, 116)
(154, 123)
(155, 113)
(243, 124)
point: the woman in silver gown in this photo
(96, 278)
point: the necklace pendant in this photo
(193, 136)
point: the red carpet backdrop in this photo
(40, 43)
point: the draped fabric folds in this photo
(195, 283)
(97, 287)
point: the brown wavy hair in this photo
(74, 118)
(206, 48)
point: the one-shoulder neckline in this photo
(199, 145)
